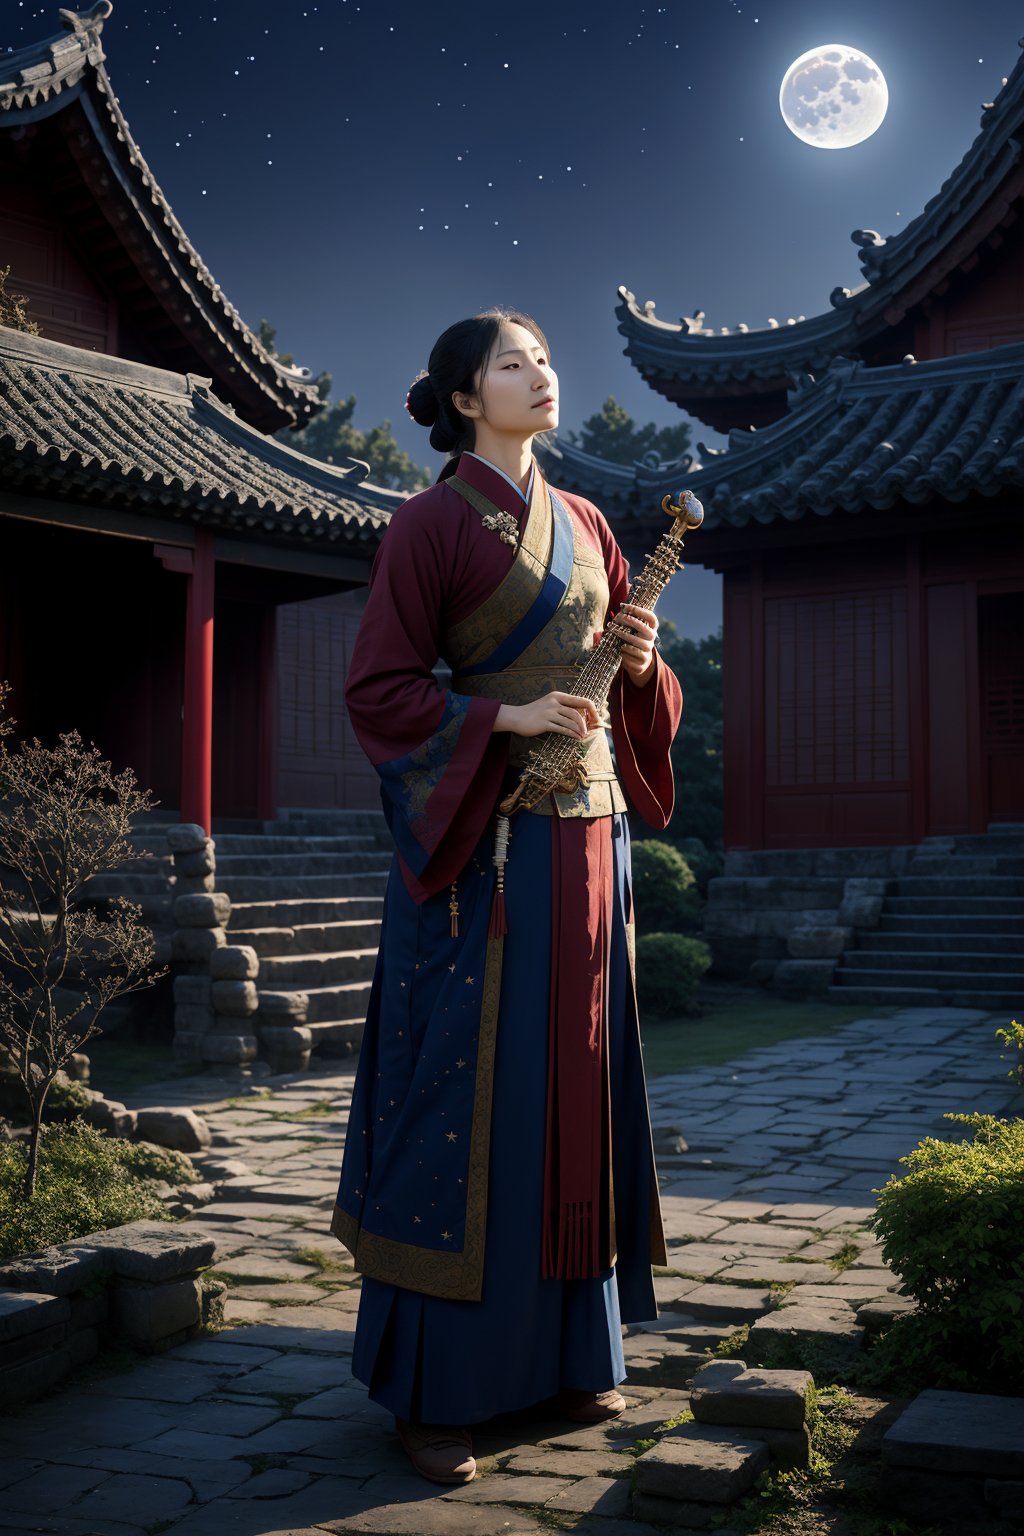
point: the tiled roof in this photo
(899, 271)
(52, 76)
(856, 438)
(86, 427)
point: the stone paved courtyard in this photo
(261, 1428)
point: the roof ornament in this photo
(867, 238)
(839, 296)
(908, 360)
(693, 324)
(710, 453)
(84, 22)
(773, 324)
(649, 308)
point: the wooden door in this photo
(1001, 660)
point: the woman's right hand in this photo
(568, 714)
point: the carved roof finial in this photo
(82, 22)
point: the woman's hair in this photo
(456, 357)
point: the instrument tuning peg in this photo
(686, 506)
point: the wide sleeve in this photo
(645, 718)
(440, 763)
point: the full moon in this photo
(833, 96)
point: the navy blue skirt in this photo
(440, 1361)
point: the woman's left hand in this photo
(639, 626)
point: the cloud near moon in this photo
(833, 96)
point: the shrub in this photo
(951, 1229)
(705, 862)
(669, 967)
(665, 895)
(85, 1182)
(148, 1161)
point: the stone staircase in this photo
(951, 929)
(307, 893)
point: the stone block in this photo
(186, 837)
(198, 862)
(33, 1377)
(188, 1047)
(213, 1296)
(110, 1115)
(210, 910)
(287, 1049)
(145, 1312)
(804, 978)
(195, 944)
(235, 962)
(701, 1465)
(680, 1517)
(862, 902)
(229, 1048)
(877, 1316)
(195, 885)
(31, 1345)
(728, 1392)
(801, 1332)
(155, 1250)
(283, 1007)
(969, 1432)
(790, 1449)
(236, 999)
(818, 943)
(725, 1303)
(193, 990)
(193, 1018)
(78, 1067)
(178, 1128)
(56, 1271)
(88, 1311)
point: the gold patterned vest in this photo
(552, 659)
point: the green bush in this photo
(665, 895)
(85, 1183)
(148, 1161)
(952, 1228)
(669, 967)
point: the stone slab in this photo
(603, 1496)
(26, 1312)
(959, 1432)
(56, 1271)
(155, 1250)
(727, 1392)
(727, 1303)
(501, 1488)
(703, 1465)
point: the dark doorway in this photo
(1001, 658)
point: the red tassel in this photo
(499, 921)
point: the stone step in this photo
(991, 887)
(317, 970)
(949, 923)
(336, 1037)
(907, 940)
(345, 1000)
(264, 888)
(965, 904)
(887, 996)
(960, 865)
(153, 884)
(299, 911)
(939, 961)
(1009, 982)
(294, 843)
(282, 866)
(310, 938)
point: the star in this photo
(460, 1062)
(417, 1220)
(452, 966)
(452, 1135)
(446, 1235)
(469, 981)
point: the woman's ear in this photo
(466, 405)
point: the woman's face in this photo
(517, 388)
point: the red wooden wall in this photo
(874, 695)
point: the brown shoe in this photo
(441, 1452)
(590, 1407)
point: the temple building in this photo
(173, 580)
(866, 520)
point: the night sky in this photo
(361, 175)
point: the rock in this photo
(668, 1140)
(876, 1316)
(194, 885)
(235, 962)
(188, 1047)
(26, 1312)
(192, 989)
(789, 1448)
(862, 902)
(724, 1303)
(213, 1297)
(229, 1048)
(178, 1128)
(110, 1115)
(237, 999)
(799, 1333)
(283, 1007)
(198, 862)
(957, 1501)
(681, 1517)
(804, 978)
(818, 943)
(701, 1465)
(959, 1432)
(210, 910)
(195, 944)
(78, 1067)
(220, 1168)
(186, 837)
(727, 1392)
(57, 1271)
(146, 1312)
(154, 1250)
(193, 1018)
(191, 1196)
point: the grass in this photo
(734, 1020)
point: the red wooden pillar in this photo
(197, 720)
(266, 777)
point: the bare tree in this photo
(65, 816)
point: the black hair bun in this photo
(421, 402)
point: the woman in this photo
(498, 1190)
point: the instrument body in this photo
(557, 761)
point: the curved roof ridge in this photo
(696, 352)
(45, 76)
